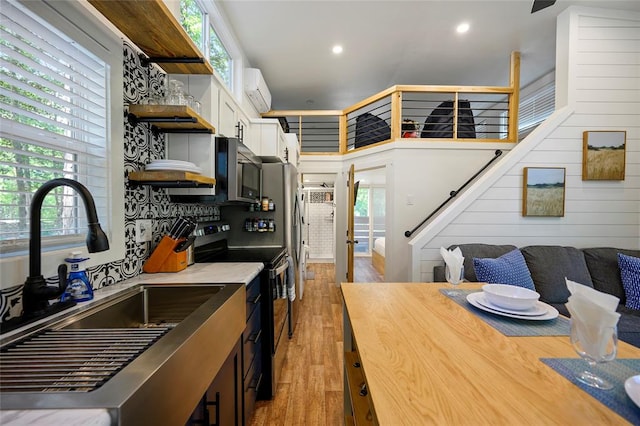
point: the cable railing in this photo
(454, 193)
(422, 113)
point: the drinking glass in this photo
(454, 278)
(595, 348)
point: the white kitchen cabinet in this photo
(228, 114)
(293, 148)
(273, 142)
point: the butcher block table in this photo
(414, 356)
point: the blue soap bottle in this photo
(78, 285)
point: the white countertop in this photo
(198, 273)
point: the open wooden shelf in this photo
(171, 179)
(153, 28)
(177, 118)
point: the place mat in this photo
(616, 371)
(512, 326)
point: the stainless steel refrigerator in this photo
(280, 183)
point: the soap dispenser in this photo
(78, 287)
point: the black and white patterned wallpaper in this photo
(141, 146)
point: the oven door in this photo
(277, 283)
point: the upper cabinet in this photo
(153, 28)
(270, 138)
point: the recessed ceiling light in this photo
(337, 49)
(462, 28)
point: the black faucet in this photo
(36, 293)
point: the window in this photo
(196, 23)
(537, 102)
(369, 217)
(192, 19)
(53, 111)
(56, 121)
(219, 57)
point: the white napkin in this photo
(454, 261)
(594, 314)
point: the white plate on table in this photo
(632, 387)
(548, 312)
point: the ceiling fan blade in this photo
(541, 4)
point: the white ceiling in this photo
(391, 42)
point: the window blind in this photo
(535, 108)
(53, 123)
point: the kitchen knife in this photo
(174, 228)
(185, 244)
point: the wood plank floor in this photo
(310, 391)
(364, 272)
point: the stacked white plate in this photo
(540, 311)
(173, 165)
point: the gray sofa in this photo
(549, 265)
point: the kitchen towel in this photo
(291, 279)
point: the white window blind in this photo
(535, 107)
(53, 118)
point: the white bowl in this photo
(510, 296)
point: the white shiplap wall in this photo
(598, 88)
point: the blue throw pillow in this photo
(630, 274)
(510, 268)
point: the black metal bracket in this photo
(134, 120)
(146, 60)
(171, 184)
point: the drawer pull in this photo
(257, 385)
(356, 364)
(363, 390)
(256, 336)
(257, 299)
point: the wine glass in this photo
(594, 347)
(454, 278)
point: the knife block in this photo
(165, 259)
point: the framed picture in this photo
(543, 191)
(603, 155)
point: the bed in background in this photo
(377, 255)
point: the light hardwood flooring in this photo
(364, 272)
(310, 390)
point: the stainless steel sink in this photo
(147, 355)
(151, 305)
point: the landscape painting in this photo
(543, 193)
(603, 155)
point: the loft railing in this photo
(423, 113)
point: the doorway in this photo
(369, 225)
(319, 215)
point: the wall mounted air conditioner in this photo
(256, 89)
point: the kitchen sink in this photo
(151, 305)
(146, 355)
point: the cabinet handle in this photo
(363, 390)
(356, 364)
(257, 385)
(256, 336)
(257, 299)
